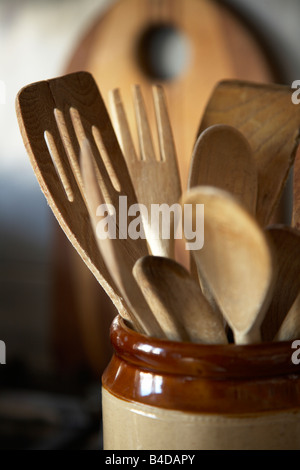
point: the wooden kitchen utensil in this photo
(209, 41)
(223, 158)
(177, 301)
(54, 117)
(296, 192)
(118, 250)
(235, 261)
(269, 120)
(290, 327)
(155, 178)
(286, 243)
(219, 45)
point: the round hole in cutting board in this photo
(163, 52)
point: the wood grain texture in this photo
(235, 260)
(223, 158)
(221, 47)
(177, 300)
(296, 192)
(269, 120)
(119, 254)
(70, 109)
(155, 177)
(290, 327)
(286, 243)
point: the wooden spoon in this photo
(290, 327)
(236, 260)
(177, 301)
(223, 158)
(286, 243)
(269, 120)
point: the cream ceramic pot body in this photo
(166, 395)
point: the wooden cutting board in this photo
(114, 49)
(219, 46)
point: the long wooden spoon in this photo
(286, 243)
(177, 301)
(223, 158)
(236, 260)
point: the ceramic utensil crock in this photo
(163, 395)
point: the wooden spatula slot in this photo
(59, 168)
(106, 158)
(68, 144)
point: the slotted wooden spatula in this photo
(54, 117)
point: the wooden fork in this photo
(156, 179)
(54, 117)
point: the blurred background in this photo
(56, 344)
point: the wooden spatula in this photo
(266, 116)
(236, 260)
(54, 117)
(177, 301)
(286, 243)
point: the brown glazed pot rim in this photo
(202, 360)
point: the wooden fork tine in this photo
(143, 127)
(121, 125)
(164, 129)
